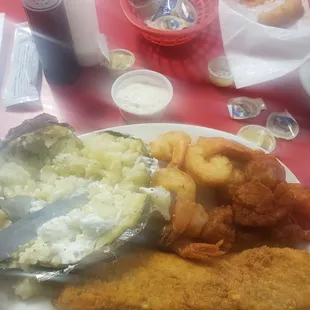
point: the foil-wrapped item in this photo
(46, 273)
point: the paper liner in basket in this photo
(257, 53)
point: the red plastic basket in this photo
(206, 13)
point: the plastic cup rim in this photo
(135, 72)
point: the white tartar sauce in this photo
(142, 98)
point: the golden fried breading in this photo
(301, 220)
(253, 3)
(289, 235)
(296, 195)
(254, 205)
(185, 235)
(228, 191)
(258, 279)
(284, 14)
(251, 237)
(220, 226)
(265, 169)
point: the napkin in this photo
(257, 53)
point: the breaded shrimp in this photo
(201, 251)
(284, 14)
(207, 170)
(194, 233)
(254, 205)
(188, 219)
(290, 235)
(236, 179)
(229, 148)
(171, 146)
(295, 195)
(220, 226)
(176, 181)
(265, 169)
(208, 161)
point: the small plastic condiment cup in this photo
(116, 72)
(142, 76)
(269, 141)
(219, 72)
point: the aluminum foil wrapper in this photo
(106, 252)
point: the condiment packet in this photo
(168, 23)
(24, 80)
(243, 107)
(283, 125)
(179, 8)
(173, 15)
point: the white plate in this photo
(149, 132)
(304, 76)
(146, 132)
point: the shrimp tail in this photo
(186, 248)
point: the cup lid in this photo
(41, 5)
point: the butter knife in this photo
(25, 230)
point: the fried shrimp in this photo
(171, 146)
(265, 169)
(236, 179)
(188, 223)
(229, 148)
(200, 251)
(208, 161)
(188, 220)
(212, 171)
(194, 233)
(284, 14)
(254, 205)
(176, 181)
(220, 226)
(290, 235)
(295, 195)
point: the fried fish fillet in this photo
(257, 279)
